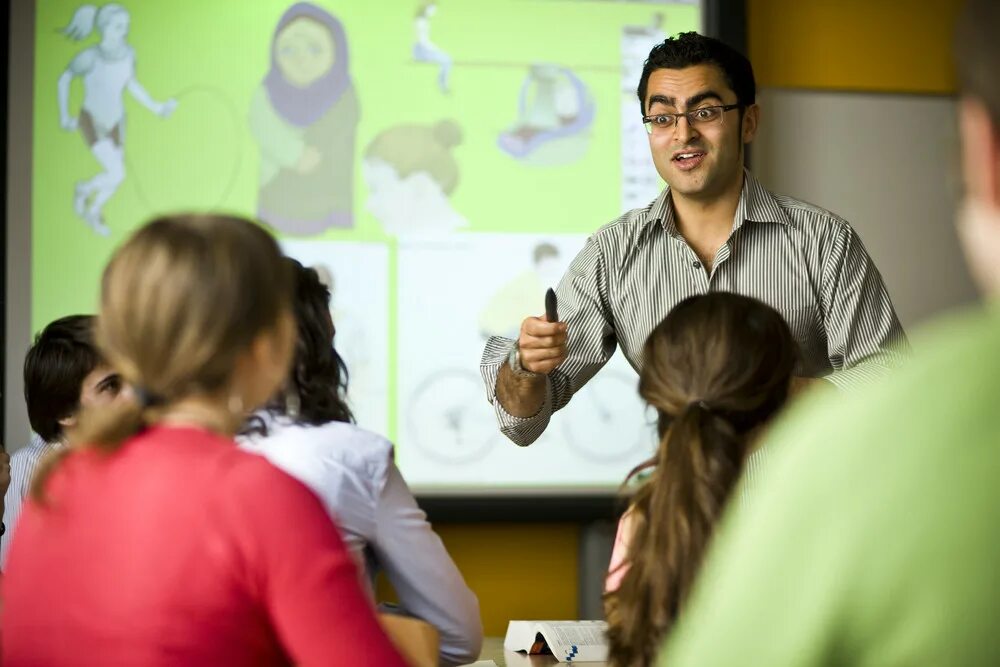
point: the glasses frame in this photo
(647, 121)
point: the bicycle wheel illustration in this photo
(449, 420)
(606, 421)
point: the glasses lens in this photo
(707, 115)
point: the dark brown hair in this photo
(59, 360)
(715, 368)
(688, 49)
(181, 299)
(319, 375)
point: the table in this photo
(493, 650)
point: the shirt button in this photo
(696, 264)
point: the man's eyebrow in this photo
(702, 96)
(661, 99)
(691, 101)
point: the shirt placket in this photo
(721, 257)
(689, 259)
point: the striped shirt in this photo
(804, 261)
(22, 468)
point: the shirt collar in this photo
(38, 442)
(756, 204)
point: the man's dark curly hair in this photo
(319, 375)
(688, 49)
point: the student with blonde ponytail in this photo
(716, 369)
(151, 539)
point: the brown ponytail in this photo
(718, 366)
(180, 301)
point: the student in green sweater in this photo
(874, 539)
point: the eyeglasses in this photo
(701, 116)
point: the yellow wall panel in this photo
(875, 45)
(519, 571)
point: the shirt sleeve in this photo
(429, 585)
(865, 340)
(303, 575)
(584, 307)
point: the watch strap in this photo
(514, 361)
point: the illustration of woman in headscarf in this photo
(410, 172)
(304, 116)
(107, 70)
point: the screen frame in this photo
(724, 19)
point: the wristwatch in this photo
(514, 361)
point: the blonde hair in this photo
(180, 301)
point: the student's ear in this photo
(68, 422)
(751, 118)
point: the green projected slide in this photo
(440, 164)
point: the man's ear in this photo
(68, 422)
(751, 118)
(980, 152)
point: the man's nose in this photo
(684, 131)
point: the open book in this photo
(567, 641)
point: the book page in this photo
(579, 641)
(520, 635)
(580, 633)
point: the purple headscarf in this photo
(304, 106)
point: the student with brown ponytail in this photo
(152, 540)
(716, 369)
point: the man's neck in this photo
(706, 223)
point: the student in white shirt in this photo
(309, 433)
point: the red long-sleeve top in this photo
(179, 549)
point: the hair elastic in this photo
(146, 398)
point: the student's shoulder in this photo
(944, 390)
(30, 453)
(335, 436)
(241, 474)
(333, 444)
(366, 449)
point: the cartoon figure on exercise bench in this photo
(107, 69)
(555, 111)
(426, 51)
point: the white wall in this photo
(888, 164)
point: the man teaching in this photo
(713, 228)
